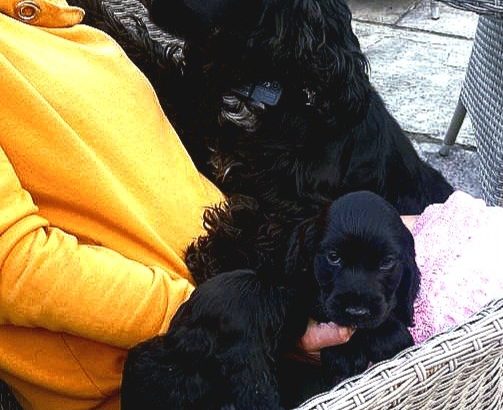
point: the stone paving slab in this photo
(381, 11)
(459, 168)
(451, 22)
(419, 74)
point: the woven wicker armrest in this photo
(461, 368)
(127, 21)
(485, 7)
(7, 399)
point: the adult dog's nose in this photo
(357, 311)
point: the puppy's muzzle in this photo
(358, 311)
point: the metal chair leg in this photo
(435, 9)
(454, 127)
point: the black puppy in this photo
(354, 265)
(275, 103)
(366, 277)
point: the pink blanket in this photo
(459, 248)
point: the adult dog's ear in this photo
(409, 284)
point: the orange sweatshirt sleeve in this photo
(49, 280)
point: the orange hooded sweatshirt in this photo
(98, 200)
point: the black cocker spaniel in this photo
(353, 265)
(275, 102)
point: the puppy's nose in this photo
(357, 311)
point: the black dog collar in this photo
(267, 92)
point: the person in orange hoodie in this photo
(98, 200)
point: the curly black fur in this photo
(218, 353)
(238, 235)
(330, 133)
(353, 265)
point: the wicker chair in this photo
(482, 96)
(434, 9)
(461, 368)
(7, 399)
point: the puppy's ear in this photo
(301, 251)
(409, 283)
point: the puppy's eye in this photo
(387, 264)
(333, 258)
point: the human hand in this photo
(320, 335)
(409, 221)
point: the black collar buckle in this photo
(266, 92)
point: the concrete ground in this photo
(418, 65)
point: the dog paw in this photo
(389, 339)
(343, 361)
